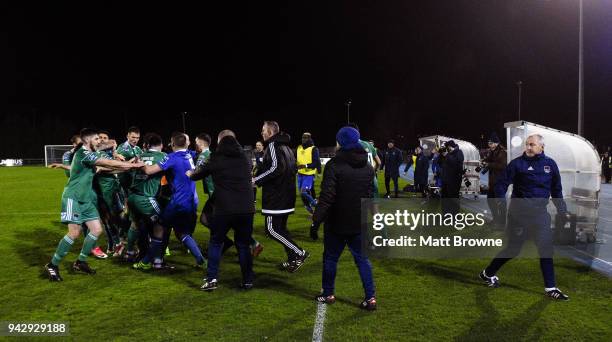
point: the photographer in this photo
(495, 162)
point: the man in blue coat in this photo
(535, 178)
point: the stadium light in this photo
(348, 110)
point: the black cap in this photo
(494, 138)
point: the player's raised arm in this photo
(117, 165)
(59, 166)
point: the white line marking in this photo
(317, 332)
(594, 257)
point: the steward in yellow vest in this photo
(308, 164)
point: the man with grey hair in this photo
(535, 178)
(277, 180)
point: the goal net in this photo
(54, 153)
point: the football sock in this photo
(88, 245)
(132, 238)
(190, 243)
(154, 252)
(62, 249)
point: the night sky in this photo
(411, 68)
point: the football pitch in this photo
(417, 299)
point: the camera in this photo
(482, 168)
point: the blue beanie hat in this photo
(348, 138)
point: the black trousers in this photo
(207, 219)
(242, 224)
(388, 179)
(276, 228)
(607, 175)
(420, 188)
(450, 198)
(522, 225)
(498, 210)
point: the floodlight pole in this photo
(519, 84)
(348, 110)
(580, 80)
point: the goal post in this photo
(54, 153)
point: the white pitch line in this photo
(592, 256)
(317, 332)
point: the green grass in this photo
(418, 299)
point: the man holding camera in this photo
(495, 163)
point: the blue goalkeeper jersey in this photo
(184, 196)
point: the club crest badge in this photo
(547, 169)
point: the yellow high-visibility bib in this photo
(304, 157)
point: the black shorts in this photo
(182, 222)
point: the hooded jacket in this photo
(277, 176)
(230, 169)
(347, 179)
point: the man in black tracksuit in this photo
(277, 179)
(232, 207)
(391, 163)
(452, 173)
(346, 180)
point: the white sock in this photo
(548, 289)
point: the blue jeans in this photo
(243, 230)
(333, 246)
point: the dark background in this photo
(411, 68)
